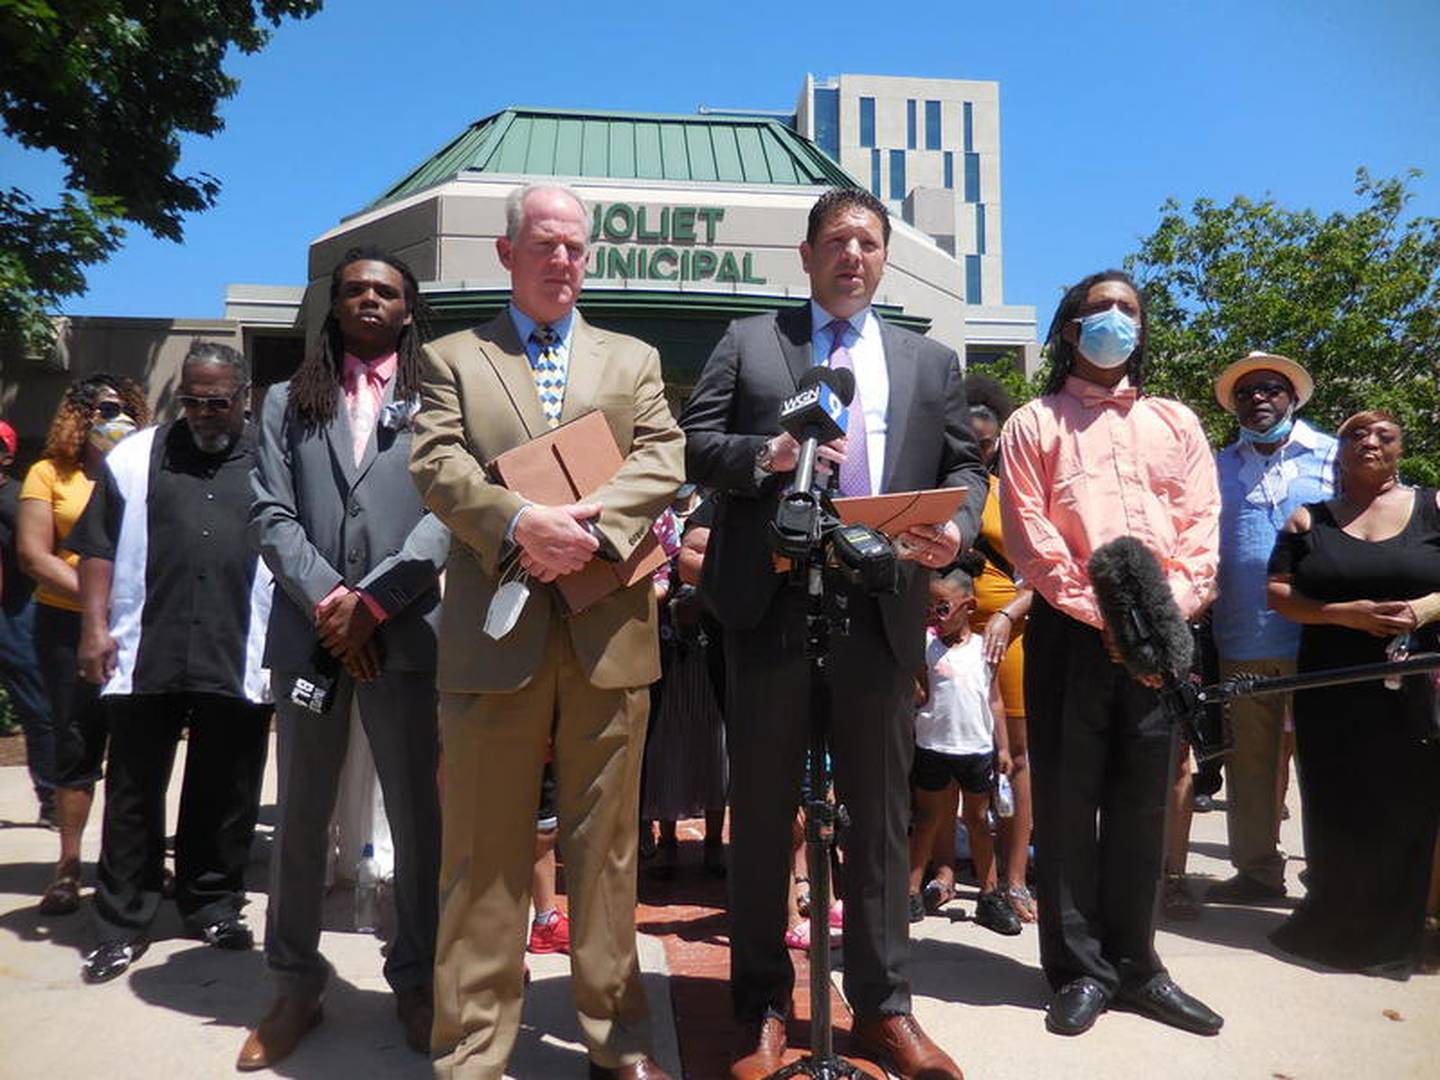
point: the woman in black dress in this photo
(1358, 571)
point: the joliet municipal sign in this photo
(667, 243)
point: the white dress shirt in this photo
(872, 378)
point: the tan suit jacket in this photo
(477, 400)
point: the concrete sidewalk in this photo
(182, 1010)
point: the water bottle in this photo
(367, 892)
(1399, 648)
(1004, 797)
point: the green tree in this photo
(1353, 297)
(110, 85)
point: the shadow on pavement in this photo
(990, 979)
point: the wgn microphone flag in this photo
(1139, 610)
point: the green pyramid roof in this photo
(614, 145)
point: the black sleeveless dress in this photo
(1369, 776)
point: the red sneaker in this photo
(550, 934)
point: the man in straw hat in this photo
(1277, 463)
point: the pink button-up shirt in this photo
(1091, 463)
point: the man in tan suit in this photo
(579, 680)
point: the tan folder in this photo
(566, 465)
(894, 513)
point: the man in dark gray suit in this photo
(908, 430)
(357, 560)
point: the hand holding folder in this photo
(566, 465)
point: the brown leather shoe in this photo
(288, 1021)
(899, 1044)
(644, 1069)
(417, 1015)
(761, 1050)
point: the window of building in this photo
(972, 280)
(949, 169)
(932, 125)
(969, 127)
(910, 124)
(898, 190)
(867, 121)
(826, 113)
(972, 178)
(875, 173)
(980, 228)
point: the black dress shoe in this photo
(228, 933)
(111, 959)
(1160, 999)
(1076, 1006)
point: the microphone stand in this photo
(821, 817)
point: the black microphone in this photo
(1140, 612)
(816, 414)
(1149, 632)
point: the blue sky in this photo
(1106, 110)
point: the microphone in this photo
(815, 415)
(1149, 632)
(1140, 612)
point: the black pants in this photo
(872, 741)
(76, 713)
(224, 763)
(1101, 756)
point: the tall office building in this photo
(931, 149)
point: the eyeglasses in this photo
(210, 404)
(1268, 390)
(109, 410)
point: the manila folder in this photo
(565, 465)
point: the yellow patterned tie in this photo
(548, 369)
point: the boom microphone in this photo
(1140, 611)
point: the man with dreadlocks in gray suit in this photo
(357, 561)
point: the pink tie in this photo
(855, 472)
(364, 408)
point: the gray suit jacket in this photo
(735, 408)
(320, 520)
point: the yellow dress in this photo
(993, 590)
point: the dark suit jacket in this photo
(319, 520)
(736, 407)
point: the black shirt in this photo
(196, 591)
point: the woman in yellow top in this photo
(1001, 607)
(95, 413)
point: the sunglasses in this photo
(109, 410)
(194, 403)
(1268, 390)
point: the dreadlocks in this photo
(1062, 353)
(313, 387)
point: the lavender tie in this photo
(855, 473)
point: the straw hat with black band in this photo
(1299, 378)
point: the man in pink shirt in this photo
(1092, 460)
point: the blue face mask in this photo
(1279, 433)
(1108, 337)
